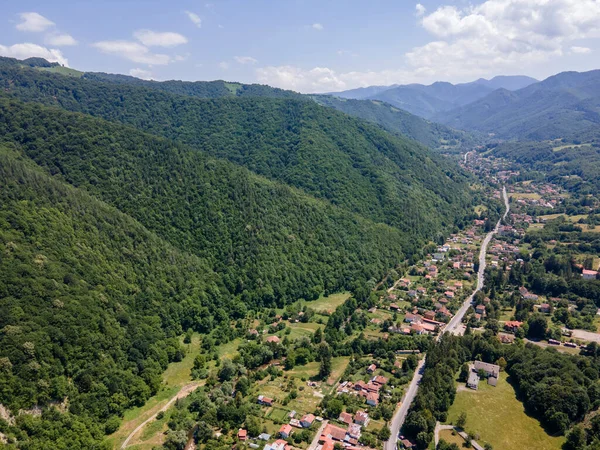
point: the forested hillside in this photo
(323, 152)
(396, 120)
(91, 303)
(557, 107)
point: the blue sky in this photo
(306, 45)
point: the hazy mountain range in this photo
(428, 100)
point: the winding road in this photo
(411, 392)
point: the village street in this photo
(411, 392)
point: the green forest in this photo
(166, 214)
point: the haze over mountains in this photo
(426, 101)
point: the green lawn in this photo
(495, 414)
(330, 303)
(299, 330)
(447, 436)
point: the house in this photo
(449, 294)
(545, 308)
(372, 399)
(372, 368)
(589, 274)
(333, 432)
(361, 418)
(266, 401)
(491, 370)
(273, 339)
(512, 325)
(353, 431)
(394, 307)
(410, 318)
(473, 380)
(242, 434)
(279, 444)
(407, 444)
(412, 293)
(253, 332)
(345, 417)
(264, 436)
(379, 380)
(285, 431)
(307, 420)
(480, 309)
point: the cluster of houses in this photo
(370, 391)
(478, 369)
(349, 436)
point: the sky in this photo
(308, 45)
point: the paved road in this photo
(400, 415)
(184, 392)
(315, 442)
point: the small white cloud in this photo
(32, 21)
(581, 50)
(224, 65)
(141, 73)
(420, 10)
(158, 39)
(132, 51)
(245, 59)
(195, 18)
(317, 26)
(29, 50)
(60, 40)
(346, 53)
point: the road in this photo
(409, 396)
(315, 442)
(183, 392)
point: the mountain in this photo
(390, 118)
(428, 100)
(129, 215)
(557, 107)
(395, 120)
(361, 93)
(327, 154)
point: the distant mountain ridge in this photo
(428, 100)
(559, 106)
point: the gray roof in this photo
(491, 369)
(473, 379)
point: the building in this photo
(491, 370)
(589, 274)
(473, 380)
(264, 436)
(242, 434)
(285, 431)
(307, 420)
(372, 399)
(273, 339)
(361, 418)
(353, 431)
(372, 368)
(266, 401)
(545, 308)
(512, 325)
(279, 444)
(345, 417)
(332, 432)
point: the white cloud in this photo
(420, 10)
(581, 50)
(324, 79)
(159, 39)
(60, 40)
(132, 51)
(245, 59)
(32, 21)
(317, 26)
(224, 65)
(141, 73)
(502, 34)
(28, 50)
(195, 18)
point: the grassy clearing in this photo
(450, 438)
(229, 349)
(300, 330)
(175, 377)
(495, 414)
(330, 303)
(525, 195)
(63, 71)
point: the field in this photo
(531, 196)
(330, 303)
(299, 330)
(495, 414)
(63, 71)
(447, 436)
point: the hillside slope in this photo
(557, 107)
(323, 152)
(394, 120)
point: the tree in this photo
(538, 326)
(334, 408)
(175, 440)
(384, 434)
(464, 372)
(462, 420)
(227, 370)
(576, 439)
(325, 357)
